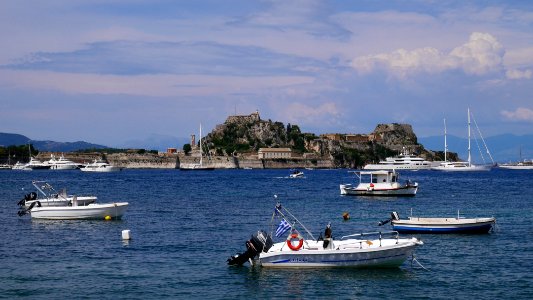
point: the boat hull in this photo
(348, 189)
(391, 255)
(91, 211)
(443, 225)
(101, 169)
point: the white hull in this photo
(450, 167)
(396, 167)
(352, 253)
(63, 167)
(516, 167)
(101, 169)
(91, 211)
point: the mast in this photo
(445, 144)
(469, 157)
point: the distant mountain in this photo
(503, 148)
(155, 142)
(8, 139)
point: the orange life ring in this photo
(300, 243)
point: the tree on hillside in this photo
(187, 149)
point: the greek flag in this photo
(282, 228)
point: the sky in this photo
(109, 71)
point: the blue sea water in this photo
(184, 225)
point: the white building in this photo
(265, 153)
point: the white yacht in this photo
(100, 166)
(20, 166)
(404, 161)
(62, 163)
(36, 164)
(463, 166)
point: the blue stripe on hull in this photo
(471, 229)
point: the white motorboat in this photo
(100, 166)
(404, 161)
(200, 166)
(460, 166)
(296, 174)
(76, 212)
(20, 166)
(36, 164)
(5, 167)
(363, 250)
(440, 225)
(46, 195)
(379, 183)
(62, 163)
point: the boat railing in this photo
(376, 233)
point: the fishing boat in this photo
(296, 174)
(462, 166)
(403, 161)
(362, 250)
(200, 166)
(100, 166)
(379, 183)
(440, 225)
(46, 195)
(76, 212)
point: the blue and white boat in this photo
(440, 225)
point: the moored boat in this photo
(379, 183)
(100, 166)
(403, 161)
(92, 211)
(440, 225)
(363, 250)
(296, 174)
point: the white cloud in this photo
(482, 54)
(159, 85)
(304, 114)
(517, 74)
(520, 114)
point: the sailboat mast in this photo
(445, 143)
(469, 157)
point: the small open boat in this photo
(296, 174)
(379, 183)
(362, 250)
(440, 225)
(92, 211)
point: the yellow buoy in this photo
(107, 218)
(346, 216)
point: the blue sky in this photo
(111, 71)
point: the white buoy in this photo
(126, 234)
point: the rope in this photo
(418, 263)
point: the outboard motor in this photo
(27, 197)
(24, 211)
(259, 242)
(393, 216)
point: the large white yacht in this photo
(404, 161)
(100, 166)
(62, 163)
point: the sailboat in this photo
(197, 166)
(464, 166)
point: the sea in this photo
(185, 225)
